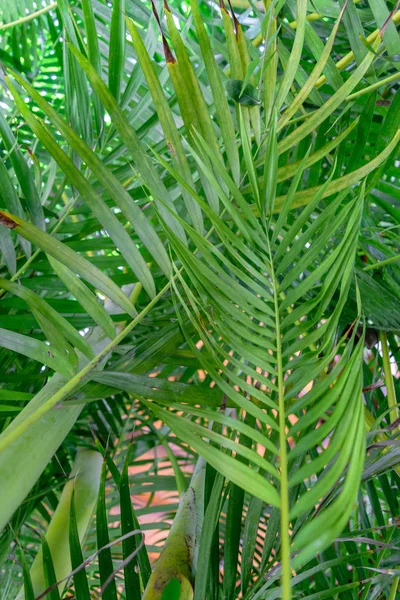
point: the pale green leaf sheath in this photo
(82, 489)
(176, 566)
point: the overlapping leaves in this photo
(265, 295)
(257, 297)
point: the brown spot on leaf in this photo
(171, 148)
(6, 221)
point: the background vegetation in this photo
(199, 299)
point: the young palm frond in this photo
(257, 296)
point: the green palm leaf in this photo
(200, 256)
(278, 282)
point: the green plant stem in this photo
(387, 261)
(393, 589)
(374, 86)
(284, 493)
(390, 391)
(29, 17)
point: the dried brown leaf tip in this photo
(169, 57)
(234, 19)
(6, 221)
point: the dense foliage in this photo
(199, 299)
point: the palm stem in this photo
(391, 393)
(394, 588)
(29, 17)
(284, 493)
(383, 263)
(371, 88)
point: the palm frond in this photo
(199, 257)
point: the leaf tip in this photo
(169, 57)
